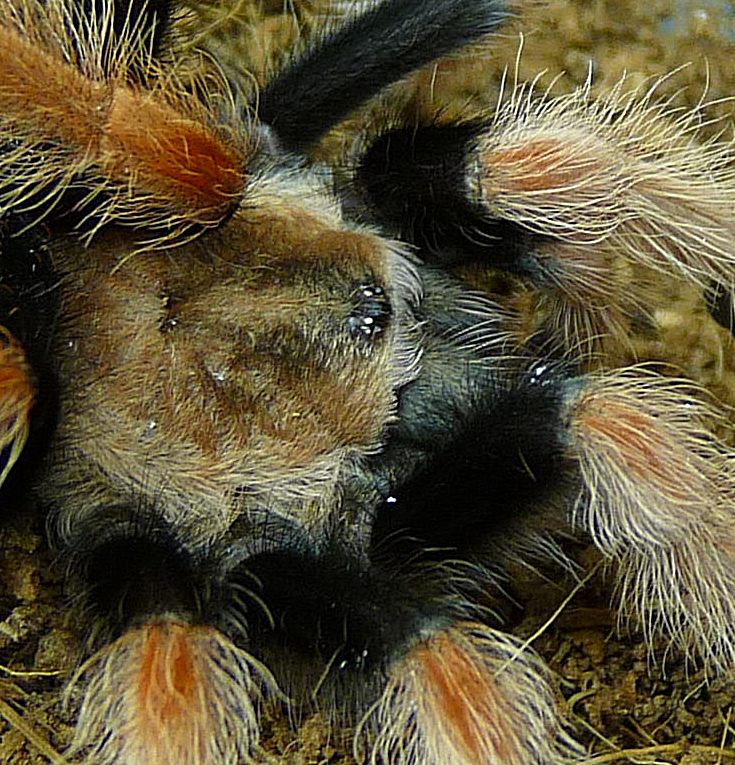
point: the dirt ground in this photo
(625, 704)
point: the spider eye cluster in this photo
(291, 428)
(370, 317)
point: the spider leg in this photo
(369, 52)
(165, 685)
(658, 500)
(478, 447)
(17, 397)
(28, 306)
(65, 126)
(408, 655)
(485, 442)
(590, 202)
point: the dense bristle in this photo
(585, 297)
(174, 158)
(152, 158)
(468, 696)
(17, 394)
(658, 499)
(169, 693)
(602, 184)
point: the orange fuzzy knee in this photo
(17, 394)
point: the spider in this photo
(285, 441)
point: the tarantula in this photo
(283, 440)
